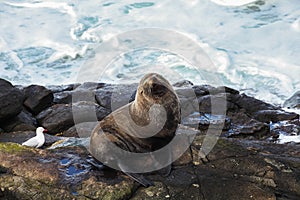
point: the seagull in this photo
(38, 140)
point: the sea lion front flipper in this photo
(140, 179)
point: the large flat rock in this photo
(234, 169)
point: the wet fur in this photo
(152, 89)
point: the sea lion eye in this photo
(141, 92)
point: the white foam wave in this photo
(233, 2)
(63, 7)
(296, 25)
(254, 48)
(62, 50)
(287, 139)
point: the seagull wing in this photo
(32, 142)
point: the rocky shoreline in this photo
(246, 162)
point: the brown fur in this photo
(152, 89)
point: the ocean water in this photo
(253, 46)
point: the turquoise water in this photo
(254, 47)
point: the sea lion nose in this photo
(158, 89)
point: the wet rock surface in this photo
(11, 99)
(22, 122)
(247, 161)
(37, 98)
(232, 170)
(56, 118)
(58, 174)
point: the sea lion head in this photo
(156, 97)
(154, 89)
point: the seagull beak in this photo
(45, 131)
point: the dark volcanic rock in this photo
(56, 118)
(81, 130)
(37, 98)
(64, 97)
(205, 121)
(241, 160)
(184, 83)
(233, 169)
(61, 117)
(62, 173)
(274, 115)
(218, 103)
(93, 86)
(11, 100)
(288, 128)
(241, 163)
(62, 88)
(224, 89)
(86, 111)
(250, 104)
(22, 122)
(251, 129)
(84, 92)
(293, 101)
(243, 125)
(113, 97)
(201, 90)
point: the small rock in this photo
(81, 130)
(92, 85)
(215, 103)
(23, 122)
(251, 129)
(149, 193)
(114, 97)
(37, 98)
(250, 104)
(286, 128)
(184, 83)
(64, 97)
(274, 115)
(57, 118)
(11, 100)
(86, 111)
(201, 90)
(61, 117)
(62, 88)
(224, 89)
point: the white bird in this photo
(38, 140)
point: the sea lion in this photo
(144, 125)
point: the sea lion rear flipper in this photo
(95, 163)
(140, 179)
(165, 171)
(137, 177)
